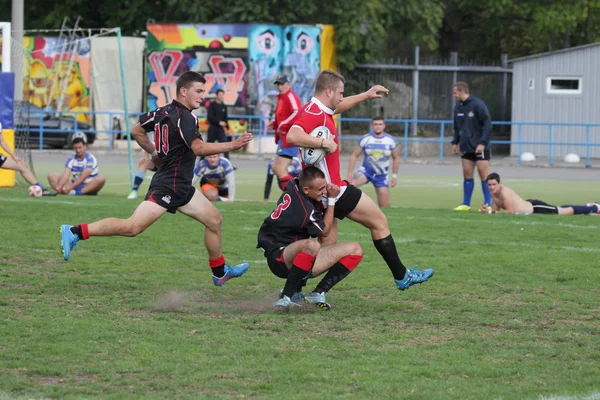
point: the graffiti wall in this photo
(301, 62)
(57, 74)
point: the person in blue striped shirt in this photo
(82, 169)
(216, 177)
(379, 149)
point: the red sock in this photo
(304, 261)
(351, 261)
(282, 182)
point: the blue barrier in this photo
(262, 131)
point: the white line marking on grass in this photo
(49, 201)
(592, 396)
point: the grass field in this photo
(511, 313)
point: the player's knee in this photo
(134, 229)
(312, 247)
(21, 166)
(100, 180)
(356, 249)
(214, 222)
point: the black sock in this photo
(578, 210)
(333, 276)
(295, 281)
(76, 230)
(219, 272)
(387, 248)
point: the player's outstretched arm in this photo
(203, 149)
(348, 102)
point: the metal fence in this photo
(422, 89)
(439, 136)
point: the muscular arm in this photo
(349, 102)
(352, 162)
(203, 149)
(297, 137)
(64, 178)
(396, 158)
(328, 221)
(140, 135)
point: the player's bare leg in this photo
(22, 168)
(299, 258)
(144, 215)
(359, 179)
(308, 246)
(383, 196)
(203, 211)
(53, 180)
(369, 215)
(94, 186)
(280, 169)
(338, 260)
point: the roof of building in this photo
(551, 53)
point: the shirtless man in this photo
(506, 200)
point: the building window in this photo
(563, 85)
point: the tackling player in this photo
(284, 237)
(378, 148)
(178, 143)
(216, 177)
(351, 202)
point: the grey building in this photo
(560, 87)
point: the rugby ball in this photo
(312, 155)
(527, 157)
(34, 191)
(572, 158)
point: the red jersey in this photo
(288, 107)
(316, 114)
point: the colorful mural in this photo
(265, 54)
(217, 51)
(57, 74)
(301, 61)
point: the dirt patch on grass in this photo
(63, 380)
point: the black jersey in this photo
(175, 128)
(296, 217)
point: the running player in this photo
(506, 200)
(294, 170)
(284, 237)
(216, 177)
(378, 148)
(14, 163)
(288, 106)
(178, 143)
(351, 202)
(82, 168)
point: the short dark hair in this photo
(462, 87)
(377, 118)
(78, 140)
(493, 176)
(219, 91)
(328, 79)
(186, 79)
(309, 174)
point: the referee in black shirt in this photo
(217, 119)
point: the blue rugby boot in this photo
(230, 272)
(68, 241)
(413, 277)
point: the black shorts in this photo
(485, 156)
(276, 263)
(347, 202)
(169, 200)
(539, 207)
(2, 159)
